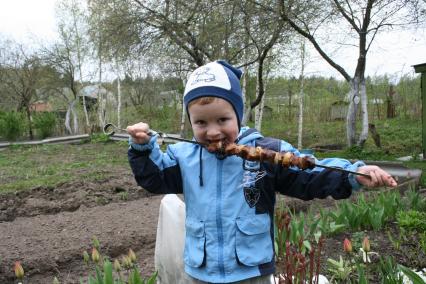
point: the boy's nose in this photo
(213, 132)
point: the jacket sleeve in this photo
(315, 184)
(154, 170)
(331, 162)
(318, 182)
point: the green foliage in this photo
(99, 138)
(363, 215)
(341, 271)
(45, 123)
(423, 241)
(416, 279)
(12, 125)
(412, 220)
(362, 278)
(415, 201)
(389, 270)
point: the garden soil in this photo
(48, 229)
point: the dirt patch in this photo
(47, 229)
(119, 187)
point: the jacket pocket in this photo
(253, 240)
(194, 243)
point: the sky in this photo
(392, 54)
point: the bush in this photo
(45, 123)
(12, 125)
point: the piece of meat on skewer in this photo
(285, 159)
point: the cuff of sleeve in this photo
(352, 178)
(143, 147)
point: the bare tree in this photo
(186, 33)
(20, 76)
(301, 93)
(263, 33)
(60, 57)
(360, 22)
(73, 33)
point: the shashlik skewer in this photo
(285, 159)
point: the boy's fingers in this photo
(390, 181)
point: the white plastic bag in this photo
(170, 241)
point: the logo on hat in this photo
(203, 75)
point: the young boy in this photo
(230, 201)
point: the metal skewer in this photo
(342, 170)
(109, 129)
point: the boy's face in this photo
(214, 122)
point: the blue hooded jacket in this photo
(230, 201)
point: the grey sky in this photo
(393, 54)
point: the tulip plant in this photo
(19, 271)
(299, 257)
(125, 271)
(119, 272)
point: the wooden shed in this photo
(338, 110)
(421, 68)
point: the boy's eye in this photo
(223, 119)
(199, 122)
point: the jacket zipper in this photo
(219, 217)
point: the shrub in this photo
(12, 125)
(45, 123)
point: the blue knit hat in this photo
(216, 79)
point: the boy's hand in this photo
(139, 132)
(378, 177)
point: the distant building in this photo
(339, 110)
(376, 101)
(92, 93)
(40, 106)
(170, 98)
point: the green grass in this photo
(25, 167)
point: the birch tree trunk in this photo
(258, 113)
(183, 115)
(79, 58)
(244, 91)
(86, 115)
(75, 117)
(101, 110)
(364, 114)
(354, 100)
(301, 95)
(118, 98)
(70, 110)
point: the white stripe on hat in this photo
(209, 75)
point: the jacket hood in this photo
(248, 135)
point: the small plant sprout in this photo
(117, 265)
(366, 244)
(95, 255)
(86, 257)
(365, 250)
(55, 281)
(347, 246)
(132, 256)
(19, 271)
(95, 242)
(341, 270)
(126, 262)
